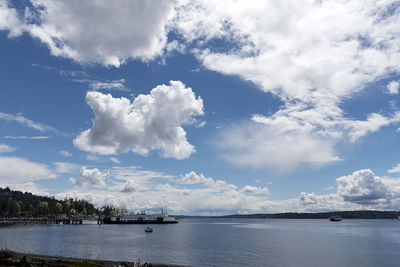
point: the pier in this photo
(12, 221)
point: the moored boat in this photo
(335, 218)
(142, 218)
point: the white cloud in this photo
(280, 143)
(255, 190)
(193, 178)
(373, 123)
(65, 153)
(301, 49)
(26, 122)
(360, 190)
(27, 187)
(194, 193)
(92, 157)
(41, 137)
(395, 169)
(117, 85)
(15, 170)
(362, 186)
(115, 160)
(211, 196)
(103, 32)
(9, 20)
(66, 167)
(72, 180)
(304, 53)
(150, 122)
(6, 148)
(296, 136)
(129, 187)
(136, 174)
(92, 178)
(200, 124)
(393, 88)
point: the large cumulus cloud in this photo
(94, 31)
(360, 190)
(362, 186)
(150, 122)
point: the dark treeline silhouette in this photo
(19, 204)
(358, 214)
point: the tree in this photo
(16, 203)
(66, 207)
(59, 208)
(14, 208)
(72, 211)
(113, 213)
(43, 208)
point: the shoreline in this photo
(13, 258)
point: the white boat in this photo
(142, 218)
(335, 218)
(148, 229)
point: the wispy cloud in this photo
(27, 137)
(395, 169)
(79, 76)
(115, 160)
(103, 84)
(6, 148)
(66, 153)
(26, 122)
(118, 85)
(65, 167)
(19, 170)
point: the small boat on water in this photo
(335, 218)
(148, 229)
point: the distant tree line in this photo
(19, 204)
(358, 214)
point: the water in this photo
(219, 242)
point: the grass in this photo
(6, 254)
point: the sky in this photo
(203, 107)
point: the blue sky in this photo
(203, 107)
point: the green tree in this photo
(113, 213)
(72, 211)
(43, 208)
(15, 209)
(59, 208)
(66, 207)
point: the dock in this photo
(16, 221)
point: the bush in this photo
(6, 253)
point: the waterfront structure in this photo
(142, 218)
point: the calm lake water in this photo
(220, 242)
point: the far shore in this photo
(12, 258)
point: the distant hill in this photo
(19, 204)
(358, 214)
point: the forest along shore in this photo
(11, 258)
